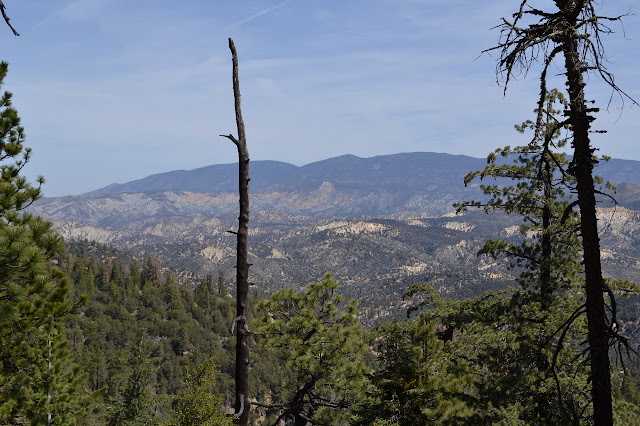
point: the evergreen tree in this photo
(222, 284)
(417, 381)
(204, 297)
(135, 279)
(133, 405)
(172, 297)
(54, 388)
(527, 365)
(533, 333)
(510, 357)
(573, 30)
(322, 346)
(151, 271)
(539, 325)
(200, 405)
(33, 295)
(532, 182)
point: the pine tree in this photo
(222, 284)
(532, 182)
(54, 388)
(200, 405)
(33, 295)
(417, 381)
(132, 407)
(539, 325)
(573, 30)
(534, 332)
(172, 298)
(151, 271)
(509, 357)
(324, 348)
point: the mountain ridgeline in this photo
(379, 224)
(345, 186)
(405, 173)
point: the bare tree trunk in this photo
(595, 306)
(574, 30)
(545, 274)
(242, 265)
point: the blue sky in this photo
(115, 90)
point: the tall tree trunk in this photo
(545, 275)
(242, 263)
(583, 158)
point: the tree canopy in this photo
(35, 373)
(323, 346)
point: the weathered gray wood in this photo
(242, 264)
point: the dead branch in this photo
(6, 18)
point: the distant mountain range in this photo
(341, 186)
(378, 223)
(414, 171)
(409, 171)
(426, 183)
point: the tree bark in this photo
(595, 306)
(6, 18)
(242, 263)
(545, 275)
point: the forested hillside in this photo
(139, 335)
(375, 258)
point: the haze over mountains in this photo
(341, 186)
(428, 183)
(377, 223)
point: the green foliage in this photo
(520, 354)
(322, 346)
(36, 377)
(500, 358)
(533, 333)
(140, 350)
(418, 382)
(222, 285)
(533, 181)
(200, 405)
(132, 406)
(625, 413)
(510, 357)
(137, 346)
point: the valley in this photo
(376, 225)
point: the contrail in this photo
(257, 15)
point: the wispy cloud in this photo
(81, 10)
(257, 15)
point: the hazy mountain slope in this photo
(377, 223)
(343, 186)
(410, 171)
(412, 183)
(406, 171)
(628, 195)
(375, 259)
(215, 178)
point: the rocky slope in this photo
(378, 224)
